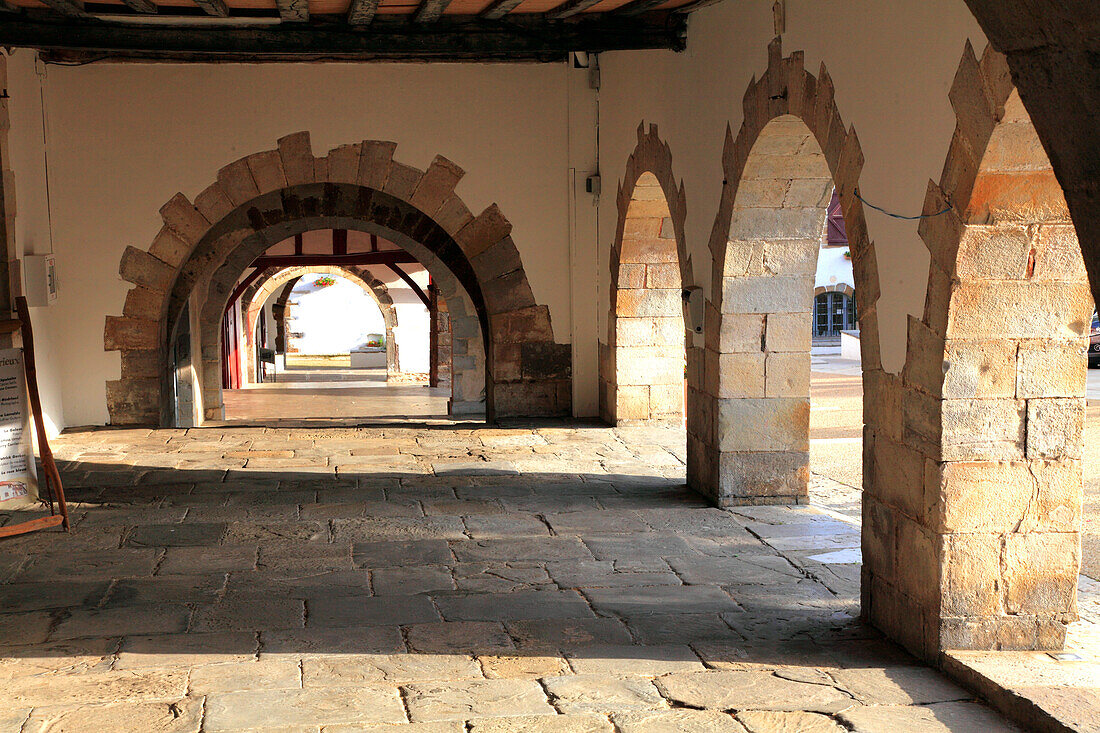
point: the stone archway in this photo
(256, 296)
(642, 361)
(266, 197)
(752, 443)
(972, 500)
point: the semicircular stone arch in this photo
(748, 441)
(642, 356)
(257, 294)
(972, 485)
(265, 197)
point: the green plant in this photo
(325, 281)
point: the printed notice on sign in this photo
(18, 479)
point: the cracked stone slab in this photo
(250, 613)
(680, 721)
(150, 618)
(544, 724)
(949, 717)
(380, 611)
(645, 661)
(187, 650)
(352, 670)
(736, 690)
(460, 637)
(97, 687)
(176, 535)
(475, 699)
(568, 633)
(647, 601)
(272, 709)
(591, 693)
(265, 674)
(397, 553)
(899, 686)
(409, 581)
(544, 549)
(535, 604)
(770, 721)
(179, 716)
(223, 558)
(304, 643)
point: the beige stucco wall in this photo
(892, 65)
(121, 139)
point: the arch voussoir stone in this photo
(264, 197)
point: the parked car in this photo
(1094, 342)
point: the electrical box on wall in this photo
(40, 279)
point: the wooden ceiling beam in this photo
(142, 6)
(70, 8)
(292, 11)
(499, 8)
(361, 12)
(217, 8)
(430, 11)
(638, 7)
(523, 37)
(570, 8)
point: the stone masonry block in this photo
(213, 204)
(744, 332)
(970, 574)
(488, 228)
(982, 429)
(436, 185)
(918, 563)
(767, 294)
(237, 183)
(663, 276)
(791, 258)
(631, 276)
(666, 400)
(979, 368)
(453, 215)
(267, 170)
(507, 293)
(184, 219)
(632, 402)
(169, 248)
(787, 375)
(1047, 368)
(296, 153)
(897, 477)
(141, 364)
(1054, 427)
(1040, 572)
(878, 537)
(375, 158)
(343, 164)
(741, 375)
(524, 324)
(1007, 496)
(648, 250)
(402, 181)
(649, 303)
(763, 424)
(786, 332)
(130, 333)
(1058, 254)
(635, 332)
(998, 252)
(743, 475)
(141, 268)
(648, 365)
(144, 303)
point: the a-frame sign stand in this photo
(54, 493)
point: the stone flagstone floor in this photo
(443, 578)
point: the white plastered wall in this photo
(891, 64)
(123, 138)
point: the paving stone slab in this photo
(176, 535)
(899, 686)
(662, 600)
(92, 565)
(500, 526)
(602, 574)
(512, 666)
(603, 694)
(461, 637)
(250, 675)
(407, 581)
(953, 717)
(629, 660)
(73, 657)
(544, 724)
(15, 597)
(373, 529)
(352, 670)
(687, 628)
(97, 687)
(357, 611)
(755, 570)
(397, 553)
(271, 709)
(302, 643)
(604, 522)
(545, 549)
(568, 633)
(223, 558)
(734, 690)
(494, 577)
(651, 544)
(186, 650)
(678, 721)
(166, 589)
(249, 613)
(179, 716)
(536, 604)
(475, 699)
(769, 721)
(434, 727)
(150, 618)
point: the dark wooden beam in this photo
(374, 243)
(570, 8)
(339, 241)
(692, 7)
(412, 284)
(430, 11)
(433, 334)
(362, 259)
(217, 8)
(361, 12)
(293, 11)
(141, 6)
(499, 8)
(520, 38)
(638, 7)
(298, 244)
(243, 286)
(70, 8)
